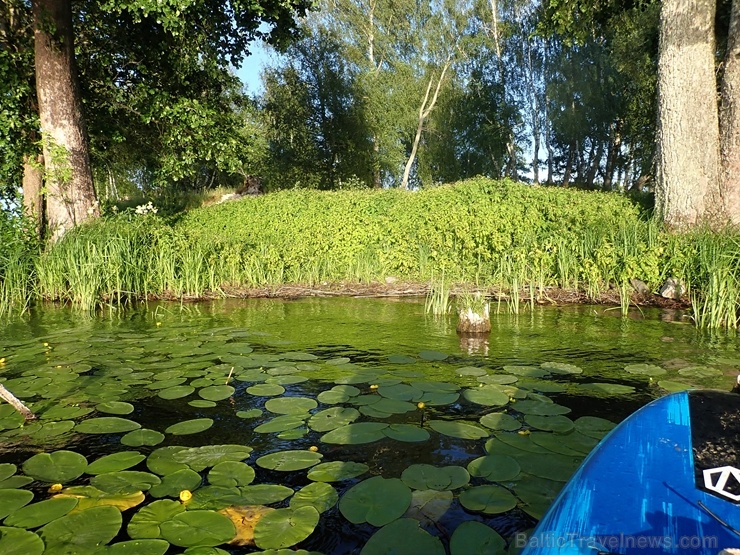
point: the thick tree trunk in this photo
(688, 125)
(729, 119)
(33, 197)
(70, 196)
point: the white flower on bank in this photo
(147, 208)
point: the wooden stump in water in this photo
(16, 403)
(473, 321)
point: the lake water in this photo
(465, 431)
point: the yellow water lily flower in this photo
(55, 487)
(313, 449)
(185, 496)
(420, 405)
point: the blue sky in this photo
(252, 66)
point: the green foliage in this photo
(19, 251)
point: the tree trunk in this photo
(687, 190)
(33, 197)
(70, 195)
(615, 143)
(729, 119)
(12, 400)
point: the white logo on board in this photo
(718, 479)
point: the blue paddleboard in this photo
(666, 480)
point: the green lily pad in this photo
(147, 521)
(439, 399)
(176, 392)
(141, 437)
(291, 405)
(115, 407)
(605, 389)
(487, 395)
(536, 494)
(172, 484)
(15, 482)
(200, 458)
(83, 531)
(403, 537)
(471, 371)
(476, 537)
(266, 390)
(428, 506)
(287, 461)
(319, 495)
(540, 408)
(553, 467)
(7, 470)
(526, 371)
(285, 527)
(216, 392)
(426, 476)
(59, 466)
(188, 427)
(409, 433)
(337, 471)
(594, 427)
(140, 547)
(401, 359)
(498, 379)
(495, 468)
(488, 499)
(377, 501)
(572, 444)
(125, 481)
(500, 421)
(457, 428)
(106, 425)
(432, 355)
(52, 429)
(355, 434)
(61, 412)
(38, 514)
(198, 528)
(561, 368)
(13, 499)
(333, 418)
(215, 498)
(560, 424)
(265, 494)
(282, 423)
(251, 413)
(672, 386)
(230, 474)
(700, 372)
(115, 462)
(15, 541)
(202, 404)
(644, 370)
(399, 392)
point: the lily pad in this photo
(700, 372)
(500, 421)
(282, 423)
(198, 527)
(594, 427)
(403, 537)
(672, 386)
(230, 474)
(251, 413)
(476, 537)
(83, 531)
(115, 407)
(644, 370)
(401, 359)
(488, 499)
(572, 444)
(355, 434)
(147, 521)
(337, 471)
(495, 468)
(561, 368)
(176, 392)
(409, 433)
(266, 390)
(426, 476)
(141, 437)
(265, 494)
(540, 408)
(605, 389)
(216, 392)
(13, 499)
(432, 355)
(429, 505)
(471, 371)
(560, 424)
(140, 547)
(115, 462)
(553, 467)
(290, 460)
(487, 395)
(333, 418)
(285, 527)
(59, 466)
(291, 405)
(90, 496)
(377, 501)
(457, 428)
(188, 427)
(15, 541)
(319, 495)
(200, 458)
(172, 484)
(106, 425)
(125, 481)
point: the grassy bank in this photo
(498, 234)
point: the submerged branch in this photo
(16, 403)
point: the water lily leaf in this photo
(337, 471)
(526, 371)
(231, 474)
(537, 494)
(593, 427)
(518, 442)
(265, 494)
(403, 537)
(495, 468)
(15, 541)
(52, 429)
(15, 482)
(90, 496)
(488, 499)
(605, 389)
(125, 481)
(428, 506)
(61, 412)
(355, 434)
(406, 432)
(438, 399)
(553, 467)
(285, 527)
(147, 520)
(560, 424)
(215, 498)
(476, 537)
(199, 527)
(572, 444)
(377, 501)
(83, 531)
(141, 437)
(672, 386)
(251, 413)
(13, 499)
(245, 518)
(332, 397)
(38, 514)
(500, 421)
(176, 392)
(540, 408)
(395, 406)
(644, 370)
(200, 458)
(216, 392)
(282, 423)
(459, 429)
(7, 470)
(172, 484)
(140, 547)
(117, 461)
(106, 425)
(700, 372)
(291, 405)
(488, 395)
(115, 407)
(498, 379)
(399, 392)
(202, 404)
(266, 390)
(286, 380)
(188, 427)
(330, 419)
(471, 371)
(401, 359)
(165, 384)
(364, 400)
(319, 495)
(561, 368)
(59, 466)
(299, 356)
(287, 461)
(432, 355)
(426, 476)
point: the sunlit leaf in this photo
(376, 500)
(403, 537)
